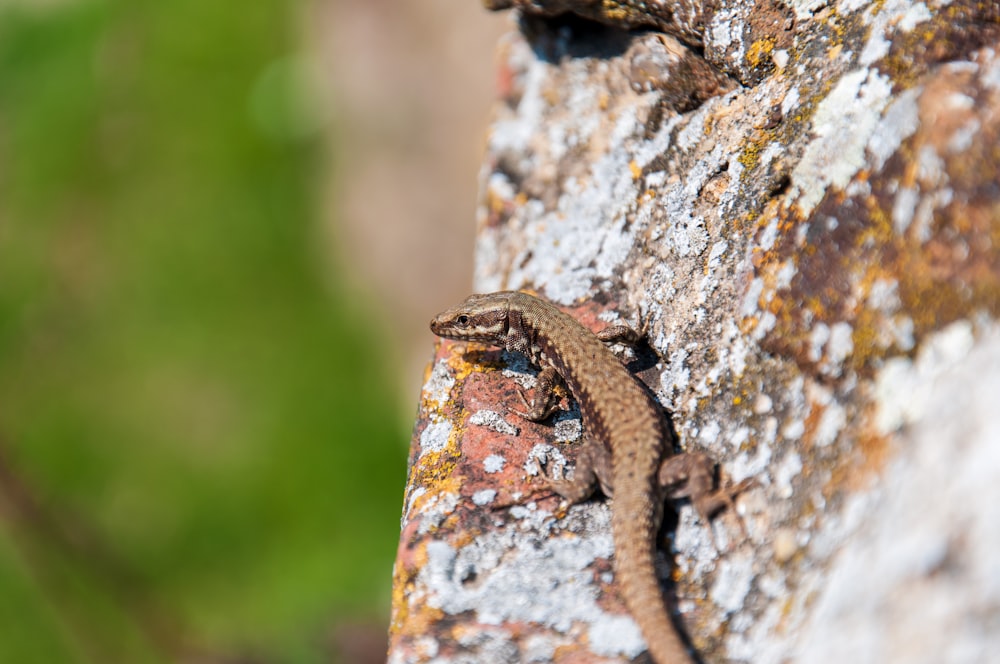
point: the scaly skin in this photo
(628, 445)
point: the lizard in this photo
(628, 443)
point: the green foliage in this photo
(199, 425)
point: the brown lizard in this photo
(628, 443)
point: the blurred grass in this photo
(198, 449)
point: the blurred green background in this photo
(201, 450)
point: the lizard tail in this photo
(635, 568)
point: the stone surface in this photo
(804, 216)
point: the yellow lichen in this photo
(759, 51)
(405, 621)
(709, 124)
(749, 158)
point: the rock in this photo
(804, 216)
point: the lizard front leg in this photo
(593, 468)
(544, 403)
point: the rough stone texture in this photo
(805, 218)
(684, 18)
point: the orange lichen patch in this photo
(498, 207)
(437, 476)
(859, 471)
(406, 621)
(494, 202)
(428, 368)
(615, 12)
(710, 121)
(750, 157)
(875, 450)
(432, 465)
(933, 302)
(551, 95)
(787, 608)
(576, 653)
(955, 272)
(824, 287)
(704, 631)
(810, 425)
(868, 337)
(759, 51)
(748, 324)
(417, 623)
(949, 35)
(464, 538)
(833, 20)
(635, 169)
(942, 274)
(770, 262)
(465, 359)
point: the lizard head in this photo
(478, 318)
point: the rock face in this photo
(799, 203)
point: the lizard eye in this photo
(462, 320)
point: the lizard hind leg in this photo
(692, 475)
(620, 334)
(623, 335)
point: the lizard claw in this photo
(539, 461)
(724, 500)
(533, 414)
(524, 401)
(533, 493)
(541, 457)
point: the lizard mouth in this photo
(439, 328)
